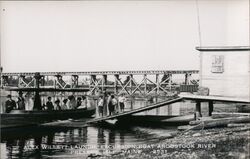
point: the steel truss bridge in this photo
(117, 82)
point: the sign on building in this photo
(217, 64)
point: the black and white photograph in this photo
(125, 79)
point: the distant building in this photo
(225, 70)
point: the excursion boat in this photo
(24, 118)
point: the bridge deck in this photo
(148, 72)
(138, 110)
(47, 89)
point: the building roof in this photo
(223, 48)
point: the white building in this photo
(225, 70)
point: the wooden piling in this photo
(210, 107)
(198, 109)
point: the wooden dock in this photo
(214, 98)
(197, 98)
(138, 110)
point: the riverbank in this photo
(210, 143)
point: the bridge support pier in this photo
(74, 81)
(37, 99)
(93, 84)
(104, 82)
(21, 81)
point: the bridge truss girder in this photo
(136, 82)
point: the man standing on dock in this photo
(10, 104)
(100, 106)
(113, 105)
(122, 100)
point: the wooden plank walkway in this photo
(213, 98)
(138, 110)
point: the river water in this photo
(76, 143)
(81, 142)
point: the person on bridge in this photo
(10, 104)
(49, 104)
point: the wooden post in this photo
(74, 81)
(145, 84)
(42, 80)
(57, 81)
(198, 109)
(37, 99)
(116, 85)
(157, 83)
(20, 80)
(132, 102)
(93, 84)
(54, 81)
(170, 82)
(186, 79)
(210, 108)
(104, 82)
(157, 109)
(131, 84)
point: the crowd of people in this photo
(108, 104)
(67, 103)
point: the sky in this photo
(116, 35)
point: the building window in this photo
(217, 64)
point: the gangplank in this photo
(197, 98)
(138, 110)
(213, 98)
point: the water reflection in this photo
(79, 142)
(47, 142)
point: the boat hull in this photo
(155, 120)
(18, 118)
